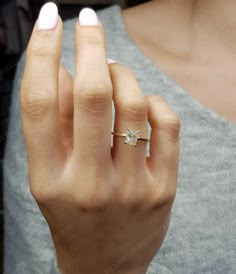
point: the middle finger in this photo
(92, 92)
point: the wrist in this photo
(73, 264)
(73, 267)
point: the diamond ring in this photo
(131, 136)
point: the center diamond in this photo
(131, 137)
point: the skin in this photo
(197, 36)
(92, 199)
(108, 209)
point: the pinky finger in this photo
(164, 140)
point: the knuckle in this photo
(129, 201)
(42, 194)
(92, 38)
(47, 192)
(39, 50)
(94, 195)
(131, 198)
(132, 203)
(93, 99)
(37, 194)
(163, 196)
(171, 125)
(35, 103)
(92, 201)
(134, 109)
(169, 122)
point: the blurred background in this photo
(16, 21)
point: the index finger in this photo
(39, 98)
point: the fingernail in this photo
(48, 16)
(110, 61)
(88, 17)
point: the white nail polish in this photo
(88, 17)
(48, 16)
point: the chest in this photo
(209, 81)
(214, 88)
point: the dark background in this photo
(16, 21)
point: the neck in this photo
(190, 24)
(217, 19)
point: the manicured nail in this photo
(110, 61)
(88, 17)
(48, 16)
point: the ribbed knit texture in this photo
(202, 233)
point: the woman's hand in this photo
(108, 208)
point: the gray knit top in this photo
(202, 233)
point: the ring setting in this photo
(131, 136)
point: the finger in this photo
(66, 107)
(130, 112)
(39, 99)
(164, 143)
(92, 92)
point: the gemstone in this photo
(131, 137)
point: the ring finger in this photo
(131, 111)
